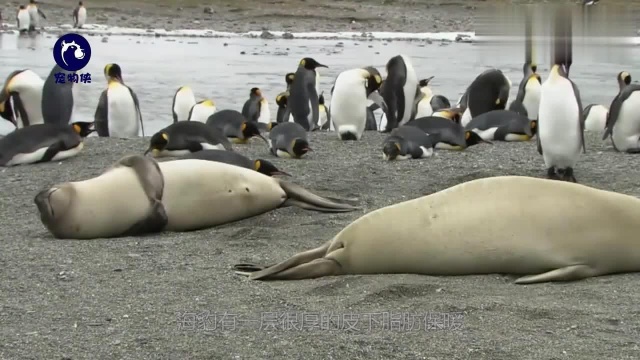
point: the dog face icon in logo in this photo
(72, 52)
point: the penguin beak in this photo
(150, 149)
(280, 173)
(320, 65)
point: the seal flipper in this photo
(303, 258)
(567, 273)
(303, 198)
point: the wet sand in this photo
(131, 298)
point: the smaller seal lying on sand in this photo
(560, 232)
(139, 196)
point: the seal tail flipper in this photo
(567, 273)
(314, 269)
(303, 198)
(294, 262)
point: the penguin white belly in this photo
(487, 134)
(265, 113)
(323, 116)
(626, 131)
(424, 107)
(82, 16)
(382, 124)
(30, 158)
(24, 20)
(558, 124)
(466, 117)
(426, 153)
(410, 87)
(531, 100)
(202, 112)
(349, 104)
(185, 99)
(122, 113)
(597, 119)
(29, 86)
(290, 118)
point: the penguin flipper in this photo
(580, 115)
(539, 146)
(137, 105)
(101, 117)
(41, 14)
(315, 106)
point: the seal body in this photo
(560, 132)
(201, 111)
(425, 235)
(21, 98)
(399, 91)
(183, 100)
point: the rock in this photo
(267, 35)
(287, 35)
(208, 10)
(105, 39)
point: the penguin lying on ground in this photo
(451, 135)
(289, 140)
(503, 125)
(186, 137)
(43, 142)
(234, 158)
(234, 126)
(183, 100)
(623, 121)
(408, 142)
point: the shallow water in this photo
(216, 69)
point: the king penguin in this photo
(349, 97)
(21, 98)
(408, 142)
(23, 19)
(234, 126)
(595, 118)
(184, 137)
(423, 99)
(201, 110)
(251, 108)
(488, 91)
(399, 91)
(302, 102)
(324, 123)
(529, 92)
(34, 15)
(289, 140)
(79, 16)
(118, 111)
(43, 142)
(183, 101)
(58, 99)
(560, 125)
(623, 122)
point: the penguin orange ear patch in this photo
(498, 102)
(244, 126)
(378, 79)
(302, 62)
(165, 136)
(77, 128)
(467, 135)
(256, 165)
(397, 146)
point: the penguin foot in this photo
(551, 174)
(567, 175)
(633, 151)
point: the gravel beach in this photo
(131, 298)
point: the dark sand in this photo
(125, 298)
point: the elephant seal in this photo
(539, 229)
(139, 196)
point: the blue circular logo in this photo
(72, 52)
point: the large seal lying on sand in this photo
(543, 229)
(138, 196)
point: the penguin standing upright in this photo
(302, 102)
(399, 91)
(79, 16)
(488, 91)
(183, 101)
(201, 110)
(23, 19)
(623, 121)
(529, 92)
(281, 101)
(349, 98)
(118, 111)
(21, 98)
(560, 126)
(423, 99)
(324, 123)
(34, 15)
(251, 107)
(57, 99)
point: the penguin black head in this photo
(391, 149)
(158, 142)
(300, 147)
(289, 78)
(32, 1)
(425, 82)
(255, 92)
(266, 167)
(83, 128)
(250, 129)
(472, 138)
(281, 100)
(113, 72)
(80, 3)
(311, 64)
(373, 79)
(21, 7)
(624, 79)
